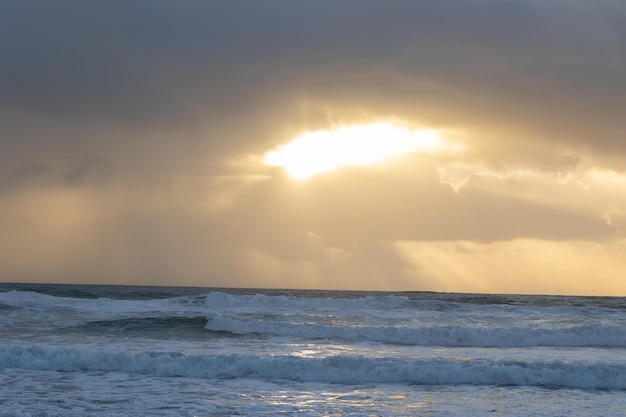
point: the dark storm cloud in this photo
(542, 65)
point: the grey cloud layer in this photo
(552, 66)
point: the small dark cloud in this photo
(75, 172)
(84, 170)
(27, 174)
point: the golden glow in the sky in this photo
(324, 150)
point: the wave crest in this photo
(590, 335)
(334, 369)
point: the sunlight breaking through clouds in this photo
(325, 150)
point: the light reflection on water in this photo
(63, 394)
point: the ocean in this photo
(78, 350)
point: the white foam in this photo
(334, 369)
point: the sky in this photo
(455, 145)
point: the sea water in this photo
(68, 350)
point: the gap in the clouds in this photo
(315, 152)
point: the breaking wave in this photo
(334, 369)
(591, 335)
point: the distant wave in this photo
(334, 369)
(222, 300)
(86, 308)
(452, 336)
(147, 323)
